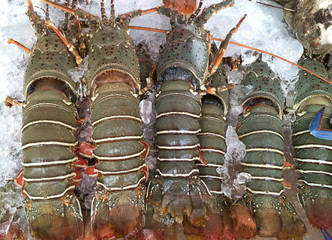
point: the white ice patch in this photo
(148, 115)
(234, 77)
(233, 186)
(326, 35)
(264, 28)
(324, 4)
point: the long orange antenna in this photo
(19, 45)
(269, 5)
(276, 56)
(148, 29)
(30, 6)
(151, 10)
(66, 42)
(237, 44)
(64, 8)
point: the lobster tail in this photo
(120, 161)
(213, 147)
(48, 166)
(260, 129)
(178, 111)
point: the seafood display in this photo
(183, 195)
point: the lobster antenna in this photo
(240, 45)
(73, 3)
(197, 11)
(66, 42)
(30, 6)
(47, 13)
(103, 12)
(10, 40)
(276, 56)
(63, 8)
(222, 49)
(269, 5)
(66, 14)
(112, 13)
(43, 11)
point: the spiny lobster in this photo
(260, 128)
(181, 86)
(48, 159)
(311, 21)
(313, 154)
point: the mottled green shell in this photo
(320, 151)
(49, 58)
(265, 85)
(218, 80)
(112, 49)
(187, 47)
(308, 85)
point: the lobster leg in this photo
(260, 129)
(222, 49)
(313, 151)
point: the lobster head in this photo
(111, 50)
(266, 88)
(49, 58)
(188, 45)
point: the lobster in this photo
(176, 194)
(215, 105)
(48, 177)
(113, 86)
(312, 144)
(264, 210)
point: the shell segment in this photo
(49, 59)
(309, 86)
(187, 47)
(111, 48)
(265, 85)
